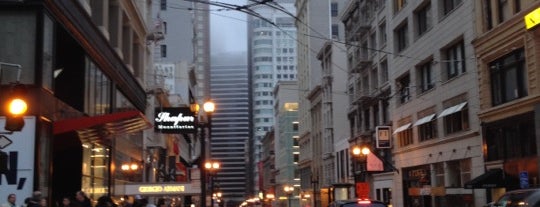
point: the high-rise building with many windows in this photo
(273, 58)
(229, 89)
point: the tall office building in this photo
(229, 89)
(273, 58)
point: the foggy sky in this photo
(228, 29)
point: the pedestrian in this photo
(105, 201)
(43, 202)
(11, 199)
(82, 200)
(66, 202)
(34, 200)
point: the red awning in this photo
(96, 127)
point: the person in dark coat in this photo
(82, 200)
(34, 200)
(105, 201)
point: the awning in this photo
(493, 178)
(98, 127)
(424, 120)
(402, 128)
(451, 110)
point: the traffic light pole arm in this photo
(18, 66)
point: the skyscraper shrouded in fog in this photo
(229, 89)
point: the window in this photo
(163, 4)
(404, 91)
(405, 137)
(457, 121)
(334, 9)
(449, 5)
(382, 34)
(384, 71)
(454, 174)
(427, 130)
(374, 79)
(508, 78)
(455, 60)
(511, 138)
(423, 19)
(165, 27)
(438, 170)
(399, 4)
(367, 119)
(163, 50)
(335, 31)
(426, 77)
(373, 42)
(487, 14)
(504, 10)
(401, 37)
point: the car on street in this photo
(357, 203)
(519, 198)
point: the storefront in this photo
(85, 101)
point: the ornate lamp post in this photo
(359, 154)
(289, 191)
(211, 168)
(208, 108)
(130, 170)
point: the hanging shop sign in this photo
(174, 120)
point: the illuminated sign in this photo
(174, 120)
(532, 19)
(161, 189)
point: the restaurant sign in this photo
(174, 120)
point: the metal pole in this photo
(201, 167)
(290, 199)
(211, 191)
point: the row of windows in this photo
(454, 122)
(286, 76)
(278, 33)
(264, 93)
(264, 102)
(453, 65)
(422, 18)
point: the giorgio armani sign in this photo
(174, 120)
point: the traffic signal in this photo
(16, 108)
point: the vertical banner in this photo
(362, 190)
(383, 138)
(20, 150)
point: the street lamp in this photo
(208, 108)
(359, 170)
(130, 169)
(289, 191)
(211, 167)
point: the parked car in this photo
(357, 203)
(519, 198)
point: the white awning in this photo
(402, 128)
(451, 110)
(424, 120)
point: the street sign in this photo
(382, 134)
(523, 179)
